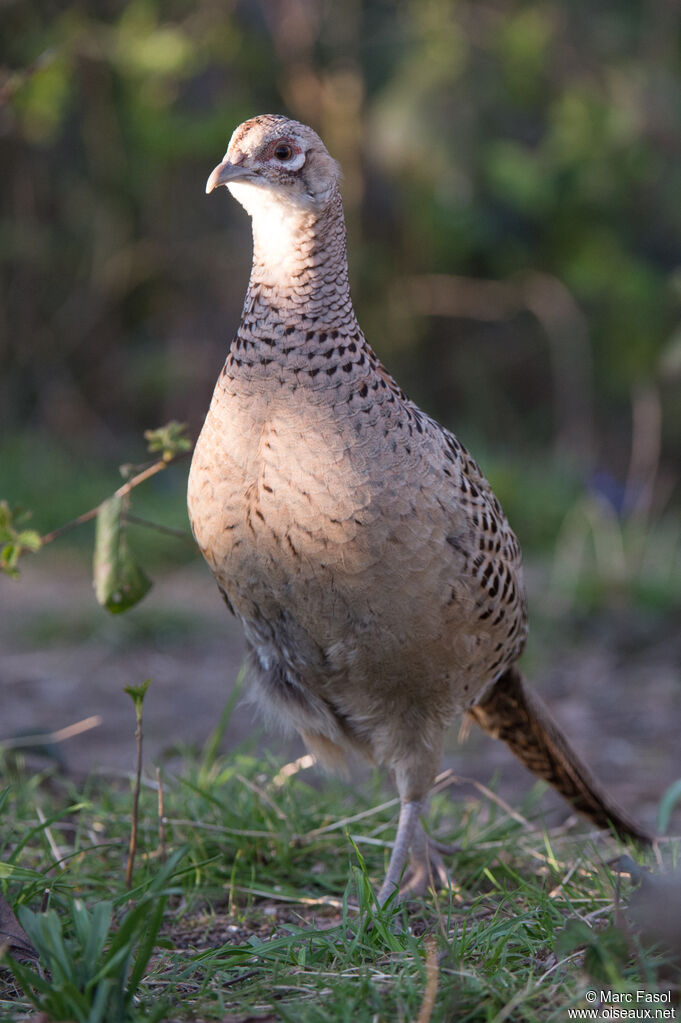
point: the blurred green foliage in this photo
(512, 174)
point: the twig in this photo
(78, 521)
(323, 900)
(137, 694)
(262, 795)
(123, 491)
(350, 820)
(561, 884)
(289, 770)
(573, 957)
(49, 738)
(507, 1010)
(54, 848)
(447, 778)
(179, 534)
(132, 848)
(219, 829)
(430, 992)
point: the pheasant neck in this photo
(300, 268)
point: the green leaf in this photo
(170, 440)
(119, 581)
(146, 946)
(14, 542)
(96, 965)
(137, 694)
(11, 872)
(9, 555)
(30, 539)
(92, 930)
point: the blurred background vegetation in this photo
(512, 182)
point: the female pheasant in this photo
(377, 579)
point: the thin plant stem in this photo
(430, 992)
(179, 534)
(161, 818)
(49, 738)
(132, 848)
(123, 491)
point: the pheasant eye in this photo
(283, 151)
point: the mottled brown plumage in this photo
(377, 579)
(512, 712)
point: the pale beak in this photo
(224, 173)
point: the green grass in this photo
(265, 906)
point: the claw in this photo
(426, 867)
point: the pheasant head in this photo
(280, 172)
(283, 159)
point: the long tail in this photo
(512, 712)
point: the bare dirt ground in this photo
(616, 692)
